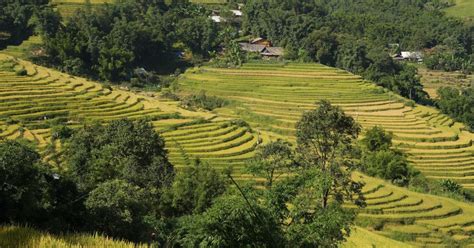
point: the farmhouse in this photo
(261, 41)
(263, 47)
(272, 52)
(252, 48)
(409, 56)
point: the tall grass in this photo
(14, 236)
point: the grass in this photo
(23, 237)
(68, 7)
(463, 9)
(433, 80)
(363, 238)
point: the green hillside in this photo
(271, 97)
(462, 9)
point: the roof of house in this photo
(257, 40)
(252, 47)
(236, 12)
(273, 51)
(411, 55)
(217, 18)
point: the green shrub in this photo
(10, 121)
(21, 72)
(410, 103)
(203, 101)
(61, 132)
(450, 186)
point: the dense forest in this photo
(359, 36)
(15, 20)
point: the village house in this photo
(416, 56)
(263, 47)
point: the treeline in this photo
(459, 104)
(359, 35)
(110, 42)
(15, 20)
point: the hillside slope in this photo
(273, 96)
(269, 97)
(31, 104)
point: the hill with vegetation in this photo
(273, 96)
(279, 94)
(188, 141)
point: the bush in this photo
(21, 72)
(451, 186)
(61, 132)
(388, 164)
(203, 101)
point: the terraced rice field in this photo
(424, 220)
(68, 7)
(30, 105)
(272, 97)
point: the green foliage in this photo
(388, 164)
(451, 186)
(451, 55)
(21, 72)
(23, 187)
(121, 169)
(321, 46)
(233, 56)
(324, 137)
(272, 161)
(15, 20)
(203, 101)
(380, 160)
(117, 208)
(230, 222)
(126, 150)
(193, 190)
(377, 139)
(61, 132)
(114, 39)
(457, 104)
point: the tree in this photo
(459, 104)
(230, 222)
(23, 186)
(118, 208)
(377, 139)
(272, 161)
(380, 160)
(126, 150)
(193, 190)
(388, 164)
(121, 171)
(324, 138)
(322, 46)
